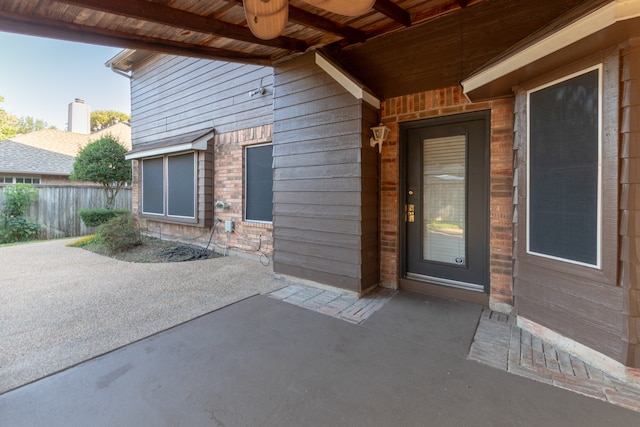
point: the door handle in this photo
(409, 213)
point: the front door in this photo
(446, 201)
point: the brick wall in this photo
(228, 185)
(438, 103)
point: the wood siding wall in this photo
(630, 199)
(325, 180)
(581, 303)
(174, 95)
(57, 208)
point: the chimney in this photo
(79, 117)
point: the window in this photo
(19, 180)
(259, 183)
(564, 199)
(168, 186)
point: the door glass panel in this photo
(445, 200)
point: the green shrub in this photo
(14, 224)
(18, 229)
(96, 217)
(119, 234)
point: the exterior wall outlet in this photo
(228, 226)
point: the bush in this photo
(18, 229)
(96, 217)
(119, 234)
(14, 224)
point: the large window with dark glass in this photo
(563, 169)
(259, 183)
(168, 185)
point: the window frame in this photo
(246, 183)
(20, 180)
(165, 189)
(599, 204)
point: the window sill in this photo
(171, 220)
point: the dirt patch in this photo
(154, 250)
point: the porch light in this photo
(342, 7)
(266, 18)
(380, 134)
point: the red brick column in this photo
(443, 102)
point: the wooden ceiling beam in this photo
(393, 11)
(308, 19)
(55, 29)
(157, 13)
(311, 20)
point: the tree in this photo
(8, 124)
(103, 162)
(12, 125)
(105, 118)
(29, 124)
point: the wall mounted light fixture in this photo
(260, 91)
(380, 134)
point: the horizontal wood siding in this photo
(630, 200)
(582, 303)
(325, 180)
(174, 95)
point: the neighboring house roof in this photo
(19, 158)
(70, 143)
(51, 151)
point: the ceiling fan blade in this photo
(266, 18)
(343, 7)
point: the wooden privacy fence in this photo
(58, 205)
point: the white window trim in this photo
(598, 264)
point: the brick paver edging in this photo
(500, 343)
(332, 303)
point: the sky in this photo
(40, 77)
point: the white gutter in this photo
(121, 56)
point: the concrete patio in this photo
(283, 354)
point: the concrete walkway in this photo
(263, 362)
(60, 306)
(497, 342)
(326, 358)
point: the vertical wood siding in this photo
(173, 95)
(58, 205)
(325, 181)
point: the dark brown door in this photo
(447, 202)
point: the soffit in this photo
(585, 30)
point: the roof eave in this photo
(613, 22)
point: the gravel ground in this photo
(60, 305)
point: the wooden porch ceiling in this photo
(213, 29)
